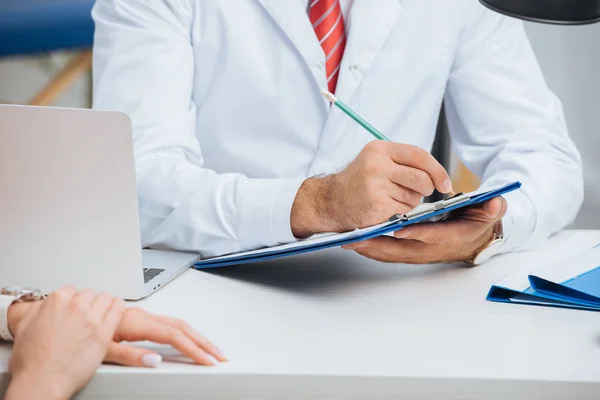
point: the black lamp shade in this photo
(563, 12)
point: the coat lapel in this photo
(293, 20)
(369, 25)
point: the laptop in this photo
(68, 205)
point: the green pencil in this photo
(348, 111)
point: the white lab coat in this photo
(228, 118)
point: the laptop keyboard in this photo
(151, 273)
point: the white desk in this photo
(333, 325)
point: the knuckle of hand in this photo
(181, 324)
(105, 297)
(428, 187)
(410, 177)
(414, 199)
(56, 297)
(405, 197)
(78, 305)
(374, 146)
(67, 289)
(60, 295)
(414, 153)
(427, 162)
(437, 171)
(96, 326)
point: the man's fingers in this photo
(437, 232)
(387, 249)
(122, 354)
(407, 198)
(413, 178)
(415, 157)
(198, 339)
(357, 245)
(436, 241)
(431, 232)
(487, 212)
(495, 208)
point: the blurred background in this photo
(570, 58)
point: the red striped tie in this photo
(328, 22)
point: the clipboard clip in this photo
(427, 208)
(398, 218)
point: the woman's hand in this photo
(60, 343)
(139, 325)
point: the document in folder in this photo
(423, 213)
(570, 283)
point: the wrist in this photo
(32, 385)
(492, 242)
(15, 314)
(309, 211)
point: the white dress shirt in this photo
(228, 119)
(344, 4)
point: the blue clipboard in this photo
(426, 212)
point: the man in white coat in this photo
(236, 148)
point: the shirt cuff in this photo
(519, 222)
(5, 302)
(264, 210)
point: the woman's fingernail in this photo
(447, 186)
(151, 360)
(361, 245)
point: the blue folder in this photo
(571, 283)
(426, 212)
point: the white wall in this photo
(570, 58)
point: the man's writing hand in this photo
(386, 178)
